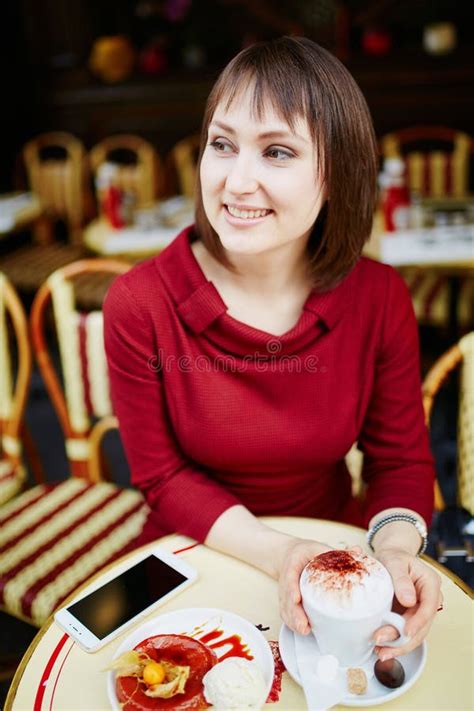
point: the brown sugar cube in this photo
(356, 681)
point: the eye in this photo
(220, 147)
(279, 153)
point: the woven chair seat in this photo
(30, 266)
(54, 537)
(11, 479)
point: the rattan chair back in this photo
(80, 392)
(460, 355)
(14, 385)
(143, 177)
(56, 168)
(436, 158)
(185, 157)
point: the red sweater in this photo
(214, 412)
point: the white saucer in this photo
(413, 664)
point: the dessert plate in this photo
(376, 693)
(226, 633)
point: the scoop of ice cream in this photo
(235, 683)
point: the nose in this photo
(242, 177)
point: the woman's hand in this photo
(293, 557)
(418, 593)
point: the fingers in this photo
(440, 602)
(387, 633)
(402, 583)
(385, 653)
(418, 619)
(428, 588)
(291, 609)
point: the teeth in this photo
(247, 214)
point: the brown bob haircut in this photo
(298, 78)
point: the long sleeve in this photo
(398, 466)
(180, 494)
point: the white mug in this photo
(351, 639)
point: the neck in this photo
(271, 273)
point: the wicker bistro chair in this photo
(454, 525)
(436, 158)
(80, 393)
(13, 390)
(184, 157)
(462, 355)
(56, 170)
(138, 166)
(55, 536)
(437, 163)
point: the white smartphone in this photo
(122, 597)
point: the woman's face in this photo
(260, 184)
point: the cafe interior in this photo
(101, 113)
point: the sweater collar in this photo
(200, 305)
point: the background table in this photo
(136, 241)
(18, 210)
(56, 675)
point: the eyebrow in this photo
(265, 134)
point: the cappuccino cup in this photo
(347, 596)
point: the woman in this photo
(249, 355)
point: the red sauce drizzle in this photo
(237, 649)
(274, 694)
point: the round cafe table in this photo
(56, 675)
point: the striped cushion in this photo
(54, 537)
(84, 365)
(11, 480)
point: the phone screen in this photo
(122, 598)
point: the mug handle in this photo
(397, 621)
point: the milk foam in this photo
(346, 584)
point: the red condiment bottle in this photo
(112, 206)
(396, 198)
(111, 197)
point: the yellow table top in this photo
(55, 674)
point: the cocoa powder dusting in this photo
(340, 569)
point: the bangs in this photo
(275, 78)
(265, 93)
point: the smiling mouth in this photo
(247, 214)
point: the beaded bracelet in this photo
(420, 527)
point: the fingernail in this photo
(385, 657)
(381, 639)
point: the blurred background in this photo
(86, 71)
(96, 67)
